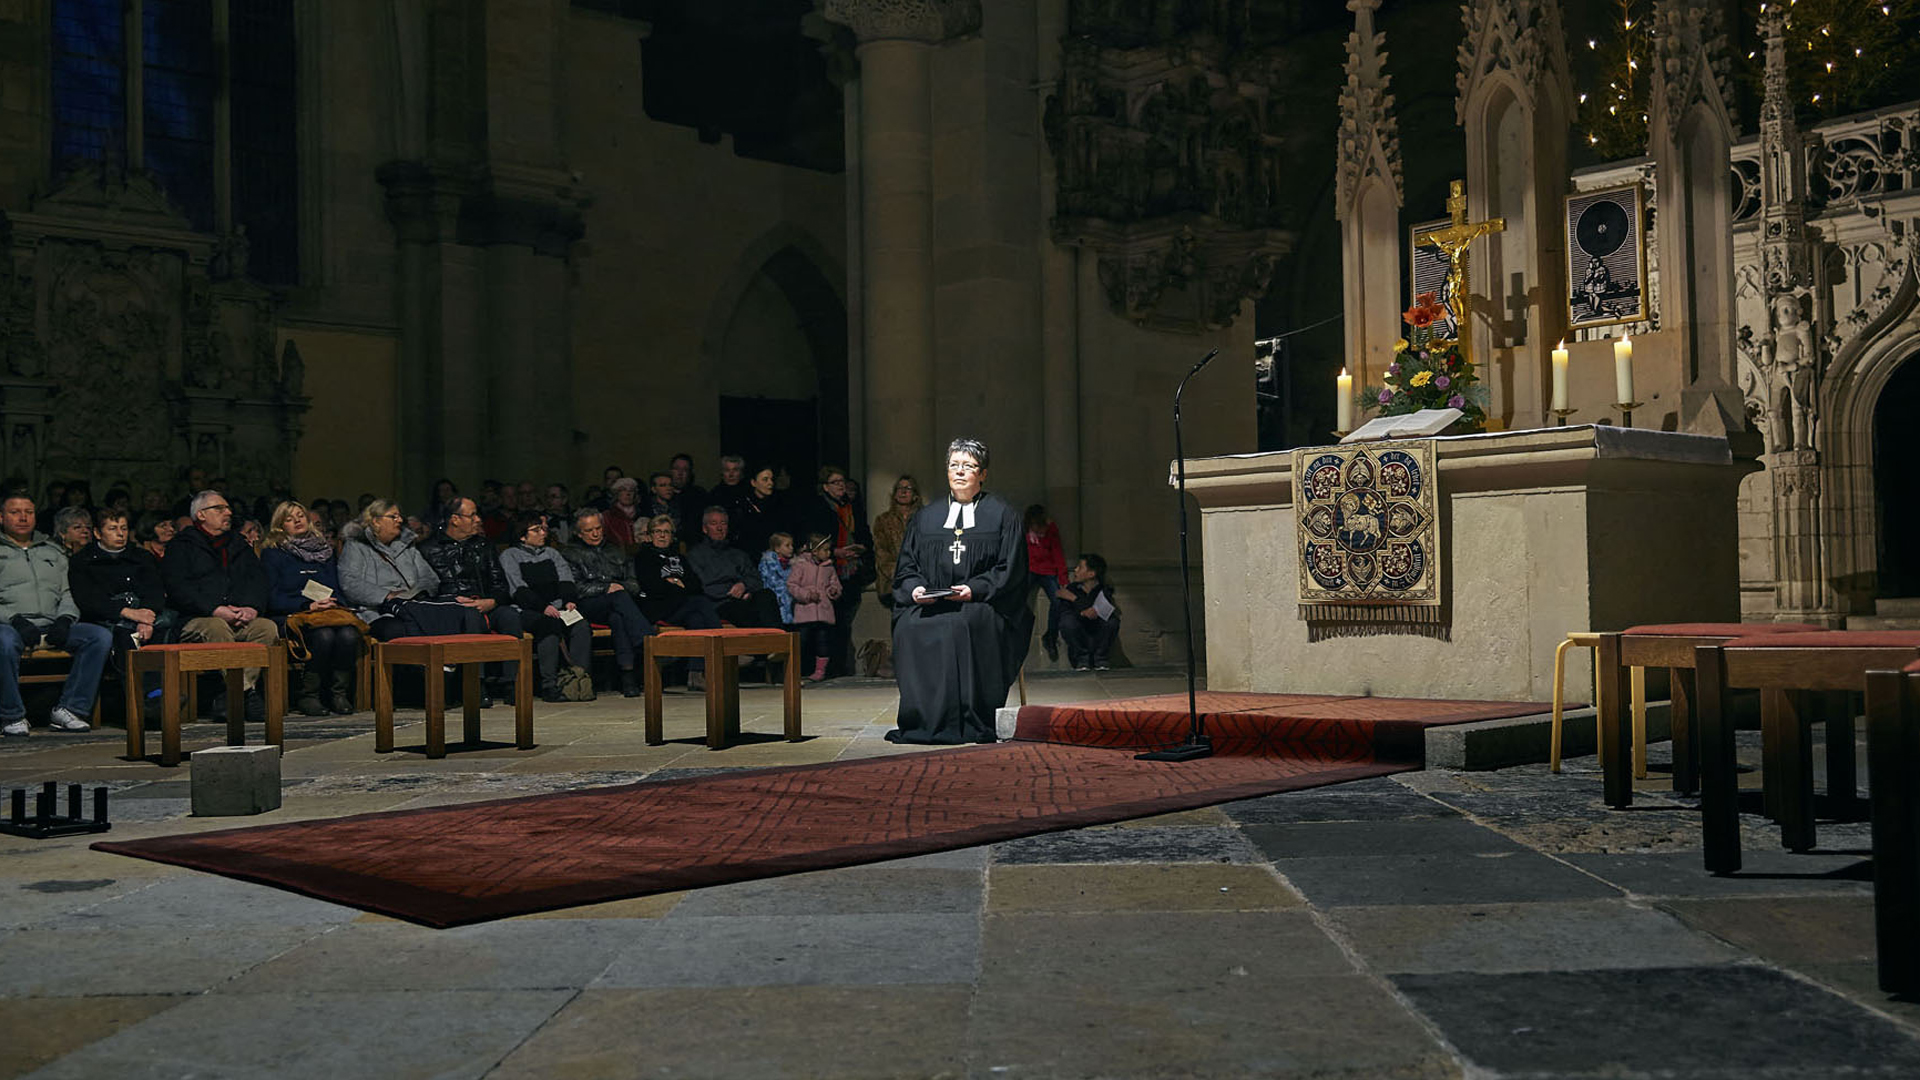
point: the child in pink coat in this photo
(814, 586)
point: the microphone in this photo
(1204, 361)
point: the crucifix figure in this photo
(1453, 242)
(959, 548)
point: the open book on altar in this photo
(1417, 425)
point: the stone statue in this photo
(1792, 365)
(293, 371)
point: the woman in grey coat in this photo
(389, 584)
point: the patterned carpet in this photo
(449, 866)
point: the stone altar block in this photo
(1544, 532)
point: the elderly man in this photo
(608, 592)
(216, 583)
(463, 560)
(35, 606)
(730, 577)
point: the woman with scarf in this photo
(303, 574)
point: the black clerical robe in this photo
(955, 661)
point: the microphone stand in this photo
(1197, 744)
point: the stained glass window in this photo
(265, 162)
(89, 82)
(179, 78)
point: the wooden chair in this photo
(722, 649)
(1893, 762)
(181, 662)
(1620, 663)
(1784, 668)
(432, 655)
(49, 654)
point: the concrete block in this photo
(230, 780)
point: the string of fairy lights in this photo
(1843, 56)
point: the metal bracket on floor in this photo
(45, 823)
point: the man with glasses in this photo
(216, 583)
(470, 574)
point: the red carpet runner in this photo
(1068, 767)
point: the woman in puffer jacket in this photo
(542, 585)
(387, 582)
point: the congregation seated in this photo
(153, 533)
(685, 492)
(559, 512)
(36, 605)
(663, 499)
(669, 590)
(730, 577)
(731, 490)
(543, 588)
(469, 574)
(608, 591)
(623, 512)
(73, 528)
(116, 584)
(390, 586)
(216, 583)
(296, 558)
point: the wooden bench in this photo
(432, 654)
(49, 654)
(1620, 661)
(1784, 668)
(722, 650)
(1893, 761)
(185, 659)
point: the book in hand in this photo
(936, 594)
(570, 616)
(1418, 425)
(315, 591)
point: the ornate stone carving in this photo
(927, 21)
(1168, 158)
(1522, 37)
(108, 315)
(1369, 137)
(293, 372)
(1690, 50)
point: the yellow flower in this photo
(1421, 379)
(1400, 345)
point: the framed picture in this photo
(1427, 273)
(1606, 256)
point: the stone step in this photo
(1898, 607)
(1883, 622)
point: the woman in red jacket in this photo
(1046, 571)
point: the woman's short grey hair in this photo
(971, 447)
(68, 516)
(376, 510)
(201, 501)
(624, 482)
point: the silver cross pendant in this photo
(958, 547)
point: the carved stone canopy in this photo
(927, 21)
(1369, 141)
(1525, 39)
(1182, 273)
(1692, 60)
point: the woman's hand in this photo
(551, 612)
(920, 595)
(962, 593)
(323, 605)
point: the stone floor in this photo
(1426, 925)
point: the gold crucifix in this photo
(1453, 242)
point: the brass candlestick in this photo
(1626, 411)
(1563, 414)
(1338, 435)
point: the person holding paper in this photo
(1091, 623)
(302, 577)
(960, 620)
(543, 588)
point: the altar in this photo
(1541, 532)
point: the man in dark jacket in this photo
(603, 573)
(470, 573)
(731, 577)
(216, 583)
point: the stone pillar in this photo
(895, 223)
(1370, 194)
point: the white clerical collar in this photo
(959, 513)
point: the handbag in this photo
(574, 682)
(299, 621)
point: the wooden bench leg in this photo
(1614, 726)
(136, 718)
(276, 678)
(170, 710)
(523, 697)
(1793, 734)
(1719, 781)
(655, 722)
(436, 684)
(1637, 681)
(791, 694)
(382, 702)
(1836, 707)
(1686, 750)
(1893, 754)
(718, 676)
(470, 703)
(236, 707)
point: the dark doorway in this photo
(776, 432)
(1896, 459)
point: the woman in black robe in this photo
(956, 656)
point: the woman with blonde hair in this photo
(303, 574)
(890, 529)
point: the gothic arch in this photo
(1850, 395)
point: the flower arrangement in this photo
(1428, 373)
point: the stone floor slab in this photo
(1791, 931)
(1219, 844)
(849, 891)
(1763, 873)
(320, 1036)
(1420, 836)
(41, 1030)
(1724, 1021)
(182, 901)
(1492, 938)
(1143, 887)
(76, 962)
(1377, 799)
(509, 955)
(763, 1031)
(817, 950)
(1489, 878)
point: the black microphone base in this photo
(1187, 751)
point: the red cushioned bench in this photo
(183, 661)
(432, 654)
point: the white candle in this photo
(1623, 370)
(1560, 376)
(1343, 402)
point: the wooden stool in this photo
(188, 658)
(1783, 667)
(1620, 663)
(722, 650)
(1893, 760)
(432, 654)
